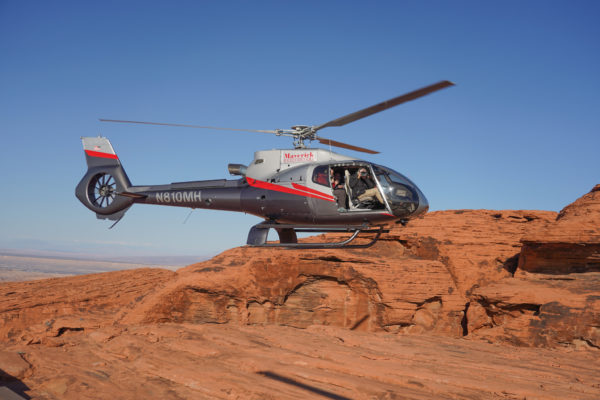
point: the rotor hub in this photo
(105, 190)
(300, 133)
(300, 128)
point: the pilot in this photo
(363, 187)
(339, 191)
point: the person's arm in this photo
(353, 180)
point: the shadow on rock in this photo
(293, 382)
(12, 388)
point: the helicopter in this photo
(294, 191)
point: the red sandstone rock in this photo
(13, 366)
(210, 361)
(374, 289)
(539, 310)
(35, 310)
(554, 297)
(477, 246)
(571, 244)
(227, 327)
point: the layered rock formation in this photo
(554, 298)
(34, 310)
(381, 288)
(524, 278)
(571, 244)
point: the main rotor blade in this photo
(330, 142)
(365, 112)
(187, 126)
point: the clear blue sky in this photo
(519, 131)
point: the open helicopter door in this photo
(376, 202)
(339, 183)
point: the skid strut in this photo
(258, 234)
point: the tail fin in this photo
(105, 179)
(99, 152)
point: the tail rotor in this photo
(100, 188)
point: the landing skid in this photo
(257, 237)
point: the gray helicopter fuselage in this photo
(286, 186)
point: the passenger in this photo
(339, 191)
(363, 187)
(321, 176)
(336, 180)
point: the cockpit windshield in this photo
(398, 189)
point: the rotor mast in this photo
(301, 133)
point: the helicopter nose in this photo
(423, 204)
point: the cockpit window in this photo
(321, 175)
(382, 177)
(398, 189)
(395, 176)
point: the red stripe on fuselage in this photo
(313, 191)
(92, 153)
(278, 188)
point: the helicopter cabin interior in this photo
(338, 178)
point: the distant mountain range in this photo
(25, 264)
(148, 260)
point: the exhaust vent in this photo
(237, 169)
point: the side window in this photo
(321, 175)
